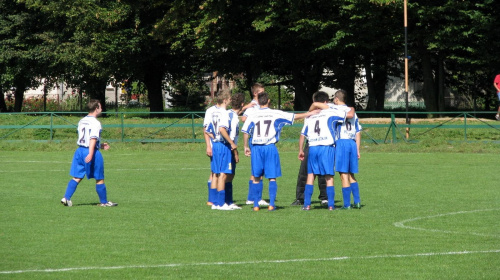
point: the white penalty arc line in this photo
(243, 262)
(402, 223)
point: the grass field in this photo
(425, 216)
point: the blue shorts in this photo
(346, 156)
(221, 158)
(93, 169)
(320, 160)
(265, 160)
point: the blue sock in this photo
(346, 195)
(101, 192)
(261, 187)
(70, 189)
(212, 196)
(355, 192)
(221, 196)
(250, 195)
(330, 192)
(273, 190)
(229, 193)
(308, 192)
(255, 193)
(209, 183)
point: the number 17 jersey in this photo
(265, 125)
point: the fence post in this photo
(123, 127)
(393, 125)
(465, 127)
(192, 127)
(51, 126)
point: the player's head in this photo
(257, 88)
(340, 96)
(263, 98)
(93, 105)
(320, 96)
(237, 101)
(222, 96)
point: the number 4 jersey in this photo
(324, 128)
(264, 125)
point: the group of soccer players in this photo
(325, 124)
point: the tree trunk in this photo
(429, 88)
(19, 95)
(153, 78)
(380, 78)
(372, 97)
(96, 89)
(306, 81)
(441, 86)
(346, 79)
(3, 106)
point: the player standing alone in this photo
(87, 159)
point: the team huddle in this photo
(331, 129)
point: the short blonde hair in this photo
(222, 96)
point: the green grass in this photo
(420, 210)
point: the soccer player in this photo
(237, 102)
(87, 159)
(321, 132)
(265, 126)
(496, 84)
(248, 110)
(347, 155)
(222, 147)
(212, 189)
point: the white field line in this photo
(402, 223)
(244, 262)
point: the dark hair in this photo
(93, 105)
(341, 94)
(237, 100)
(320, 96)
(263, 98)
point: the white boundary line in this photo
(242, 262)
(402, 223)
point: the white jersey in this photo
(323, 129)
(264, 125)
(217, 118)
(350, 127)
(89, 127)
(234, 126)
(253, 109)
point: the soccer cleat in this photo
(357, 206)
(331, 208)
(262, 202)
(249, 202)
(210, 203)
(297, 203)
(225, 207)
(215, 207)
(271, 208)
(256, 209)
(306, 208)
(108, 204)
(324, 202)
(66, 202)
(346, 208)
(234, 206)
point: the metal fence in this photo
(147, 127)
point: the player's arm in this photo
(223, 133)
(105, 146)
(301, 147)
(236, 155)
(358, 143)
(207, 143)
(249, 105)
(92, 143)
(306, 114)
(318, 105)
(245, 144)
(351, 113)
